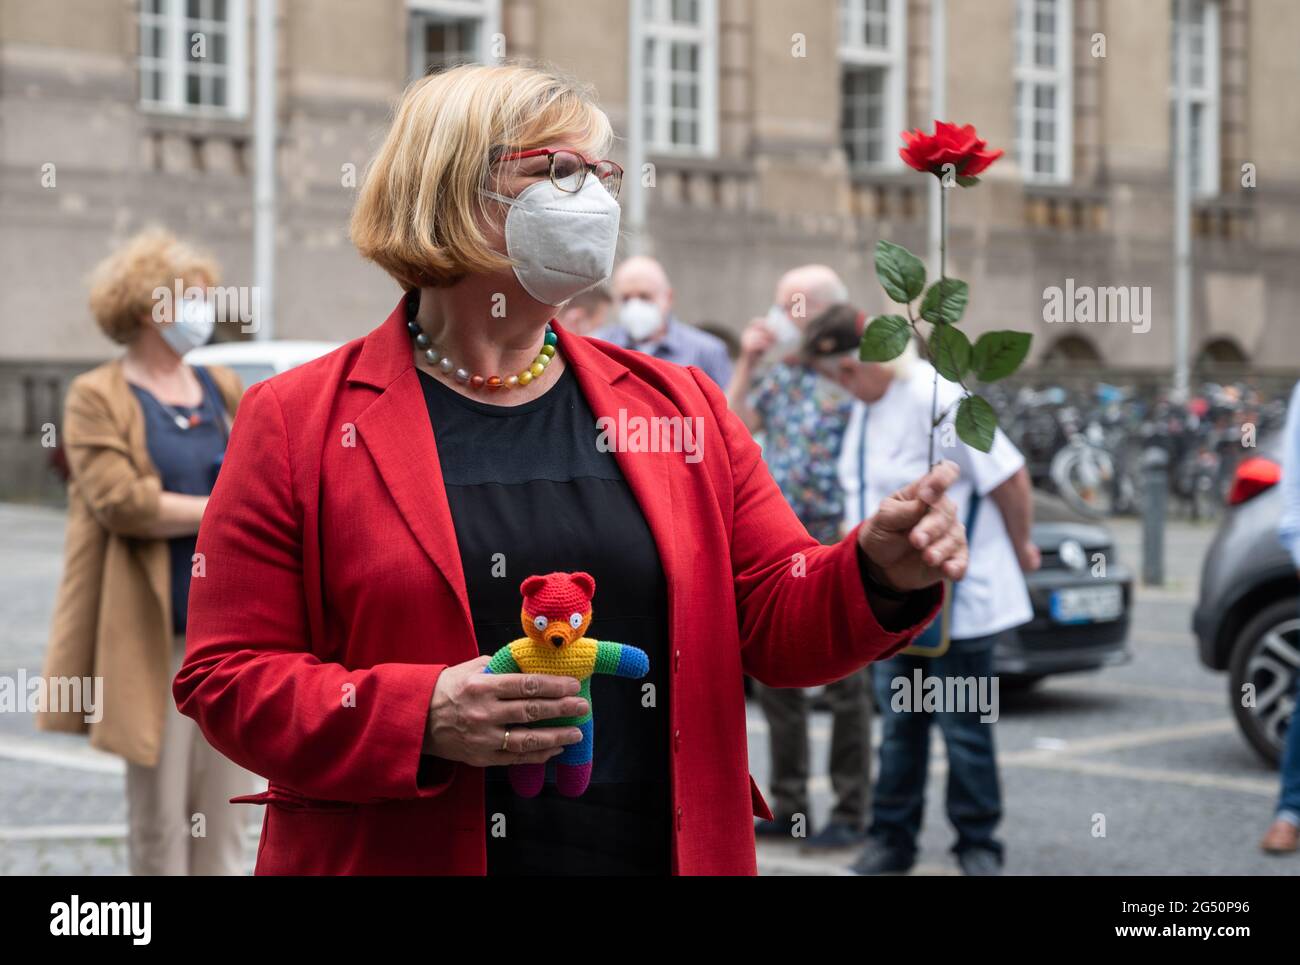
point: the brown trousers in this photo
(179, 819)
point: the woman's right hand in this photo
(471, 711)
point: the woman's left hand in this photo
(915, 538)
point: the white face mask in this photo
(640, 318)
(193, 325)
(787, 333)
(561, 242)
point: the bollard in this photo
(1155, 497)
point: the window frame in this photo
(486, 12)
(1028, 77)
(664, 32)
(1205, 96)
(893, 60)
(173, 62)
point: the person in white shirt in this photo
(886, 441)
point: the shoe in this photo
(778, 827)
(980, 863)
(877, 858)
(835, 836)
(1282, 837)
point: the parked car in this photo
(255, 361)
(1247, 620)
(1081, 596)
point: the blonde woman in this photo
(380, 507)
(145, 435)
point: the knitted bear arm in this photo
(503, 661)
(621, 659)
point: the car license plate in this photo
(1087, 604)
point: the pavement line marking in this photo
(1243, 785)
(1136, 690)
(780, 859)
(1130, 739)
(62, 832)
(80, 758)
(1162, 637)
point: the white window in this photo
(193, 56)
(444, 33)
(1044, 106)
(1202, 92)
(681, 76)
(873, 42)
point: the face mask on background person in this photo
(640, 317)
(562, 242)
(786, 332)
(193, 325)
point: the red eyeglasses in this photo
(568, 169)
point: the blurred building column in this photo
(264, 173)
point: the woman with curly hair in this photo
(145, 435)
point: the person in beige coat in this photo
(144, 435)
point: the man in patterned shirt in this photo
(800, 420)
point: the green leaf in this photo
(950, 352)
(900, 272)
(945, 301)
(998, 354)
(976, 423)
(884, 339)
(966, 181)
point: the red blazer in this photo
(334, 596)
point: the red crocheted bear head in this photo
(557, 607)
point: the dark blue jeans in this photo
(1288, 805)
(974, 799)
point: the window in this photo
(680, 79)
(192, 56)
(1044, 106)
(444, 33)
(1202, 92)
(872, 45)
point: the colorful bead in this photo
(448, 367)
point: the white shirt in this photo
(992, 597)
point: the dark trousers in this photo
(974, 799)
(850, 762)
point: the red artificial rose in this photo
(949, 144)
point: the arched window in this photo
(1072, 349)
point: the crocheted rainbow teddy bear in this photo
(555, 615)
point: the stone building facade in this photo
(772, 128)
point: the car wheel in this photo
(1266, 658)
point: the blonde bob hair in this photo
(420, 212)
(124, 286)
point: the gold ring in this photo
(506, 741)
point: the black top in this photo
(530, 493)
(187, 460)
